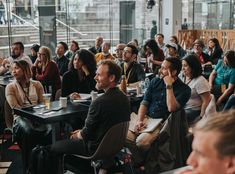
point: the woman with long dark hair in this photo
(200, 89)
(154, 56)
(214, 50)
(80, 77)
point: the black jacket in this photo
(171, 149)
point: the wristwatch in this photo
(169, 86)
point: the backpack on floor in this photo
(43, 161)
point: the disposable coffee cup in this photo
(47, 100)
(94, 95)
(63, 102)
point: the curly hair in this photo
(88, 59)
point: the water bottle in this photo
(147, 82)
(123, 85)
(142, 86)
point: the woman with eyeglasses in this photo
(24, 92)
(46, 71)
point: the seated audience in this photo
(46, 71)
(80, 77)
(107, 110)
(203, 58)
(200, 88)
(222, 78)
(181, 51)
(172, 50)
(165, 94)
(159, 38)
(105, 54)
(213, 146)
(17, 53)
(119, 53)
(134, 42)
(25, 92)
(97, 48)
(132, 70)
(34, 52)
(60, 58)
(214, 50)
(154, 56)
(72, 49)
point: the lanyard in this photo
(129, 73)
(25, 94)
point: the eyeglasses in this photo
(41, 54)
(118, 50)
(197, 45)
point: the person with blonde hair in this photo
(218, 155)
(46, 71)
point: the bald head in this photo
(105, 47)
(119, 50)
(98, 41)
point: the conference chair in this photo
(111, 144)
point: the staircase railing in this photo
(59, 21)
(71, 28)
(21, 19)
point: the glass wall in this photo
(80, 20)
(209, 14)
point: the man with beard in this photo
(17, 53)
(132, 70)
(98, 43)
(165, 94)
(203, 58)
(107, 110)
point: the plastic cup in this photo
(47, 100)
(63, 102)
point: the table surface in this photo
(72, 110)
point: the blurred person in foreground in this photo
(218, 155)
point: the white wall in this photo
(171, 10)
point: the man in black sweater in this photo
(111, 108)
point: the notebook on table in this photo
(151, 123)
